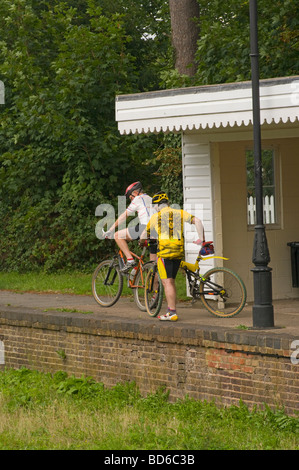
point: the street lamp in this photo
(262, 311)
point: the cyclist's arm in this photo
(199, 228)
(143, 236)
(120, 219)
(146, 234)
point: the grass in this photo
(57, 412)
(66, 283)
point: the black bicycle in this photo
(220, 289)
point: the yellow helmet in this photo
(159, 197)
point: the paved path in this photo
(286, 312)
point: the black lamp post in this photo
(262, 311)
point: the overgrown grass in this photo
(43, 411)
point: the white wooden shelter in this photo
(215, 123)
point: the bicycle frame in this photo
(131, 282)
(193, 267)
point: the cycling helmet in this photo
(133, 187)
(159, 198)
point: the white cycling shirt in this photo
(143, 206)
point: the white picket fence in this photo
(269, 210)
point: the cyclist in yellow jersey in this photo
(167, 225)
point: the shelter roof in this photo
(227, 105)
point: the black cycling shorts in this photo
(135, 233)
(168, 268)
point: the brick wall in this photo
(209, 363)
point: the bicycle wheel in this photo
(139, 282)
(222, 292)
(153, 294)
(107, 283)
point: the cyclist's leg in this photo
(122, 237)
(168, 269)
(127, 235)
(170, 292)
(153, 248)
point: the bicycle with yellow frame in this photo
(220, 289)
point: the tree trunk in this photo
(185, 33)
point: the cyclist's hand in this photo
(198, 242)
(107, 235)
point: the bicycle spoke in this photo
(153, 292)
(222, 292)
(139, 286)
(107, 284)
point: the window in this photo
(270, 192)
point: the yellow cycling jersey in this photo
(167, 226)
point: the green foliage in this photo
(224, 45)
(60, 152)
(268, 176)
(169, 158)
(148, 24)
(223, 53)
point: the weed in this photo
(61, 353)
(70, 310)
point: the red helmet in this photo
(133, 187)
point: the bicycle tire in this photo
(138, 291)
(107, 294)
(231, 300)
(153, 305)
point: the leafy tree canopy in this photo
(61, 154)
(224, 43)
(224, 47)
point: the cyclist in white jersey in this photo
(142, 204)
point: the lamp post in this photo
(262, 311)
